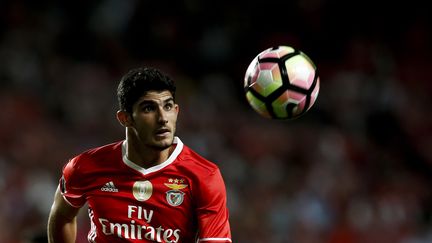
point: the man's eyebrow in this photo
(169, 100)
(150, 102)
(146, 102)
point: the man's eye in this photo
(169, 106)
(147, 108)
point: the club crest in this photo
(174, 197)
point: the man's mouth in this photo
(162, 132)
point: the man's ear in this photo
(124, 118)
(177, 108)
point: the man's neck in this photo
(145, 156)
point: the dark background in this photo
(355, 169)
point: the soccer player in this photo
(149, 187)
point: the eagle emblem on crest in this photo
(174, 196)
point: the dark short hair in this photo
(137, 82)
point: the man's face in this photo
(154, 119)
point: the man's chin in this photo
(163, 145)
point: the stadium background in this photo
(355, 169)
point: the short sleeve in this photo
(70, 185)
(212, 210)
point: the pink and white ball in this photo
(281, 83)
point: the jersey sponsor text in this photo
(134, 230)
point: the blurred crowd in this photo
(357, 168)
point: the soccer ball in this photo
(281, 83)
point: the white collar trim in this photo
(167, 162)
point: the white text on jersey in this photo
(139, 212)
(134, 230)
(109, 187)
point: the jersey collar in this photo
(155, 168)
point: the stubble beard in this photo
(162, 146)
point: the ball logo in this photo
(142, 190)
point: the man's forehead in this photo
(156, 96)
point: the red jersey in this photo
(180, 200)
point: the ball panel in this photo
(257, 105)
(300, 71)
(308, 59)
(278, 52)
(289, 104)
(268, 79)
(251, 73)
(314, 94)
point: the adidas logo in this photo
(109, 187)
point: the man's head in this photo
(147, 107)
(137, 82)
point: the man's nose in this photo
(162, 116)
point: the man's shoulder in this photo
(93, 156)
(101, 151)
(191, 160)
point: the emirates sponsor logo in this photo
(138, 227)
(134, 230)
